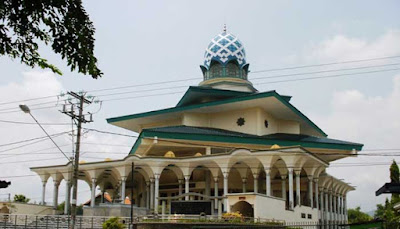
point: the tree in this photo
(21, 198)
(62, 23)
(357, 216)
(387, 212)
(394, 178)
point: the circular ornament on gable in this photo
(240, 121)
(266, 123)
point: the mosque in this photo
(225, 147)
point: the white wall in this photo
(273, 208)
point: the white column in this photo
(283, 187)
(310, 191)
(123, 189)
(255, 175)
(55, 194)
(207, 190)
(326, 205)
(187, 179)
(330, 205)
(291, 197)
(298, 195)
(225, 174)
(345, 207)
(322, 204)
(148, 194)
(93, 199)
(67, 196)
(208, 150)
(341, 208)
(316, 194)
(156, 192)
(244, 185)
(180, 181)
(151, 193)
(44, 192)
(216, 192)
(334, 207)
(268, 181)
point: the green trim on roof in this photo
(137, 144)
(210, 91)
(147, 133)
(215, 103)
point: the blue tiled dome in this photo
(224, 48)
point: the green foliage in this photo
(357, 216)
(394, 173)
(63, 23)
(387, 212)
(395, 178)
(21, 198)
(113, 223)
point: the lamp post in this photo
(26, 110)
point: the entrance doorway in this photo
(244, 208)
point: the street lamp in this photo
(26, 110)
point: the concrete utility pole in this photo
(80, 118)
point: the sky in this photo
(142, 42)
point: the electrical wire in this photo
(188, 79)
(33, 123)
(32, 139)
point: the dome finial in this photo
(224, 27)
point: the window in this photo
(232, 70)
(215, 70)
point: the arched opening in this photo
(240, 178)
(216, 70)
(169, 184)
(244, 208)
(109, 183)
(139, 189)
(232, 69)
(202, 178)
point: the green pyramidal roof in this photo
(203, 94)
(197, 98)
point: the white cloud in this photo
(359, 117)
(373, 121)
(341, 47)
(38, 84)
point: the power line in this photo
(40, 108)
(32, 139)
(330, 76)
(33, 123)
(107, 132)
(326, 64)
(45, 159)
(28, 144)
(324, 71)
(188, 79)
(256, 78)
(261, 83)
(31, 99)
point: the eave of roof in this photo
(282, 99)
(224, 136)
(195, 92)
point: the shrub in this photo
(113, 223)
(235, 217)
